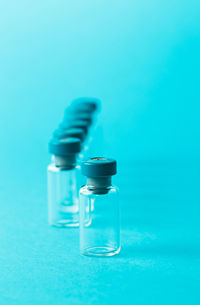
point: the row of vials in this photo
(94, 207)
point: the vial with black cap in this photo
(99, 209)
(63, 206)
(74, 123)
(85, 104)
(80, 116)
(69, 133)
(80, 124)
(85, 109)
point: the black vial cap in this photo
(64, 147)
(99, 167)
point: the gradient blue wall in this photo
(141, 58)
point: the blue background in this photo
(142, 60)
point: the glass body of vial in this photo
(63, 203)
(99, 209)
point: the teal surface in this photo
(142, 60)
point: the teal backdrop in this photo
(142, 59)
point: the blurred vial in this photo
(63, 206)
(81, 124)
(85, 104)
(69, 133)
(75, 123)
(85, 108)
(99, 209)
(71, 115)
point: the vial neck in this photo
(99, 184)
(67, 162)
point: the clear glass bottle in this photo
(99, 209)
(63, 203)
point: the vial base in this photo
(65, 219)
(100, 251)
(65, 223)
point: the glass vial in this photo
(99, 209)
(63, 205)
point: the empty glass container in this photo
(63, 205)
(99, 209)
